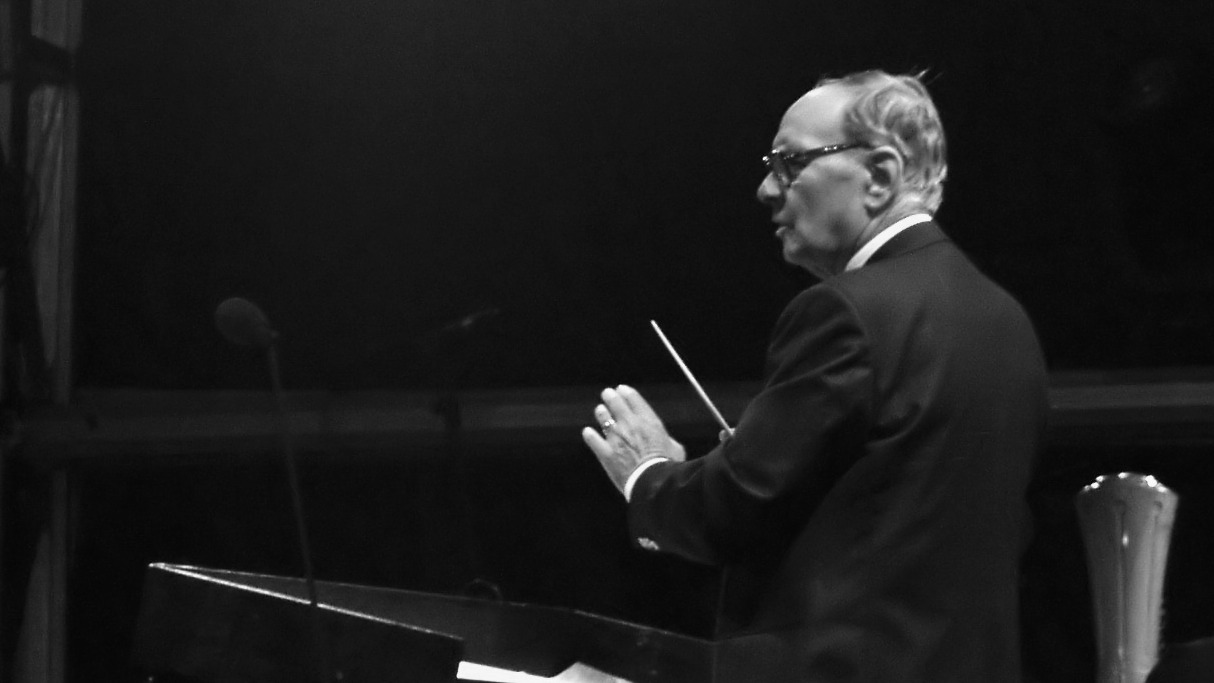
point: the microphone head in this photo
(241, 322)
(470, 322)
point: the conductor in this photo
(869, 506)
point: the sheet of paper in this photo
(578, 673)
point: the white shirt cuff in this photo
(636, 474)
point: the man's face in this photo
(820, 213)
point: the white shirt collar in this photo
(866, 252)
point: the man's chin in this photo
(809, 265)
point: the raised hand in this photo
(631, 434)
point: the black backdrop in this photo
(371, 171)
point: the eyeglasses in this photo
(786, 166)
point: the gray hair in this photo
(897, 110)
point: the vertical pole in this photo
(45, 125)
(59, 537)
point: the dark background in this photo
(371, 172)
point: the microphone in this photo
(453, 338)
(241, 322)
(467, 324)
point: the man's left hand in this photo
(631, 434)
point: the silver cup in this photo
(1126, 521)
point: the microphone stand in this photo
(452, 365)
(322, 659)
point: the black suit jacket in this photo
(870, 506)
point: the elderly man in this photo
(869, 506)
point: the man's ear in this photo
(884, 178)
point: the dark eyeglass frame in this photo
(786, 166)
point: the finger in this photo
(619, 408)
(601, 414)
(607, 423)
(636, 403)
(596, 442)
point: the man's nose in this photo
(769, 190)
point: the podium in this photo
(218, 626)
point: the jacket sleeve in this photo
(749, 495)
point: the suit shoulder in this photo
(816, 305)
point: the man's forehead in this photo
(817, 116)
